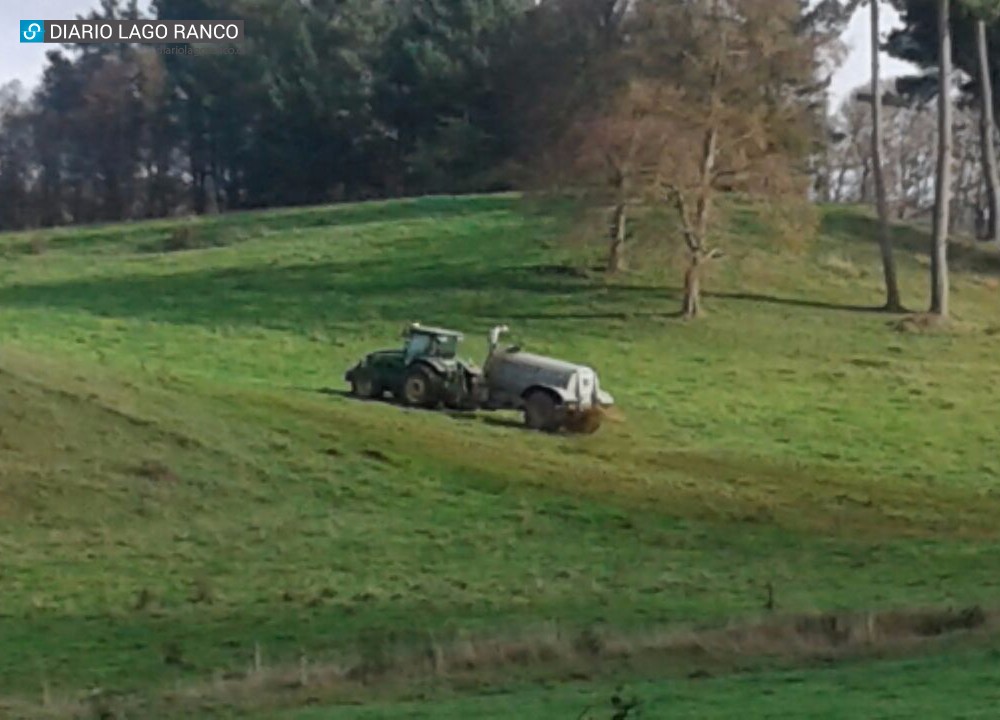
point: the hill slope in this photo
(184, 488)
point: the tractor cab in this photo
(430, 342)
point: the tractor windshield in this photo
(445, 346)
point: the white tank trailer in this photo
(553, 394)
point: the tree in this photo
(917, 41)
(911, 150)
(438, 74)
(942, 196)
(987, 10)
(733, 119)
(567, 83)
(968, 203)
(892, 301)
(850, 151)
(835, 14)
(692, 99)
(909, 156)
(15, 159)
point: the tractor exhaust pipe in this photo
(495, 334)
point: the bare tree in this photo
(942, 196)
(699, 98)
(892, 298)
(986, 130)
(911, 148)
(851, 151)
(966, 201)
(734, 120)
(909, 145)
(599, 156)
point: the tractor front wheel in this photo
(365, 387)
(422, 388)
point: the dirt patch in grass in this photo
(920, 323)
(378, 456)
(156, 472)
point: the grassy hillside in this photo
(187, 492)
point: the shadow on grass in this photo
(241, 225)
(464, 416)
(506, 422)
(794, 302)
(403, 285)
(331, 392)
(852, 226)
(302, 296)
(297, 298)
(460, 415)
(610, 315)
(738, 296)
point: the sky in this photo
(856, 69)
(25, 62)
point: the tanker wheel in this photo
(542, 412)
(422, 388)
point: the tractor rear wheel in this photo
(422, 388)
(542, 412)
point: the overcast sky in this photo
(857, 68)
(24, 62)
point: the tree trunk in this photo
(696, 232)
(986, 130)
(211, 196)
(942, 192)
(838, 188)
(617, 258)
(198, 191)
(966, 181)
(892, 300)
(691, 306)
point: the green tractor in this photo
(426, 372)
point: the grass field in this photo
(958, 686)
(185, 492)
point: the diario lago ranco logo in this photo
(32, 31)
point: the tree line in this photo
(328, 100)
(633, 106)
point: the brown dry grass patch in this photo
(920, 323)
(546, 652)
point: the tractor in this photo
(426, 372)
